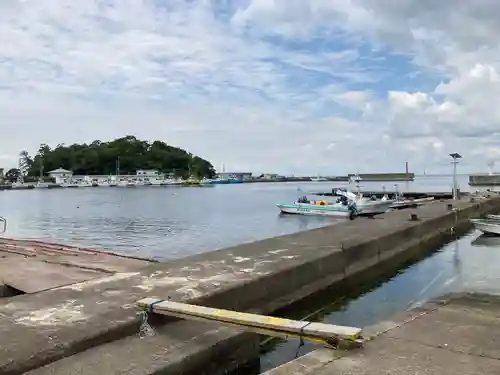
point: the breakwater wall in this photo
(95, 322)
(384, 176)
(484, 180)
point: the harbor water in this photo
(171, 222)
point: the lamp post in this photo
(455, 157)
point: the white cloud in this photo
(285, 85)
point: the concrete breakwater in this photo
(484, 180)
(95, 321)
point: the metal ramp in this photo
(326, 334)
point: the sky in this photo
(287, 86)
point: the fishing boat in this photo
(41, 185)
(70, 184)
(124, 182)
(366, 206)
(318, 179)
(401, 201)
(304, 206)
(220, 181)
(489, 226)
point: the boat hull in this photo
(405, 203)
(373, 208)
(310, 209)
(220, 182)
(487, 226)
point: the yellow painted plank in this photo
(269, 323)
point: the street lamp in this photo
(455, 157)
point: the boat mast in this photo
(22, 168)
(40, 179)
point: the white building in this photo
(61, 175)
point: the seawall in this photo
(484, 180)
(95, 322)
(384, 176)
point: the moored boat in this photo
(220, 181)
(318, 179)
(70, 184)
(402, 202)
(490, 226)
(304, 206)
(366, 206)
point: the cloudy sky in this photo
(291, 86)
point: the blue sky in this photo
(303, 87)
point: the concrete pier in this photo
(28, 266)
(95, 322)
(453, 335)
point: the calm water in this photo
(166, 223)
(468, 264)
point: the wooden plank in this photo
(269, 324)
(30, 275)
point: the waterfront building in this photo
(141, 177)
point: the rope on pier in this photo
(145, 329)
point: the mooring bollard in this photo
(413, 217)
(449, 206)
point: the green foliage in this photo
(100, 158)
(12, 175)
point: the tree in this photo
(100, 158)
(12, 175)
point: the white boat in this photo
(126, 183)
(487, 226)
(106, 183)
(493, 217)
(319, 179)
(366, 206)
(41, 185)
(355, 179)
(402, 202)
(304, 206)
(70, 185)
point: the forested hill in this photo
(133, 154)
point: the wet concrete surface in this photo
(35, 266)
